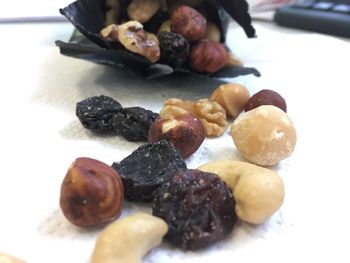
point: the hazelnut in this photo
(213, 32)
(189, 23)
(234, 61)
(208, 56)
(185, 132)
(266, 97)
(143, 10)
(165, 26)
(91, 193)
(264, 135)
(232, 97)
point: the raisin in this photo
(133, 123)
(96, 113)
(198, 207)
(174, 49)
(148, 168)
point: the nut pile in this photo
(176, 33)
(191, 208)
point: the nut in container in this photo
(158, 37)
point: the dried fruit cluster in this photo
(102, 114)
(175, 33)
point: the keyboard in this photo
(323, 16)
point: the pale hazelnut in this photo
(264, 135)
(91, 193)
(213, 32)
(208, 56)
(186, 132)
(143, 10)
(234, 61)
(232, 97)
(189, 23)
(165, 26)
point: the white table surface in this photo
(41, 136)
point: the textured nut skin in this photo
(212, 116)
(266, 97)
(185, 132)
(258, 192)
(232, 97)
(210, 113)
(208, 56)
(188, 22)
(264, 135)
(128, 239)
(91, 193)
(142, 10)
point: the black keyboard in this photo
(323, 16)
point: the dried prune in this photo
(96, 113)
(148, 168)
(198, 207)
(174, 48)
(133, 123)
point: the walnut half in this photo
(211, 114)
(132, 36)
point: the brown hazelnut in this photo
(185, 132)
(232, 97)
(266, 97)
(208, 56)
(91, 193)
(189, 23)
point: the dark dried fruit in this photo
(96, 113)
(174, 49)
(133, 123)
(266, 97)
(148, 168)
(198, 207)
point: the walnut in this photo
(132, 36)
(211, 114)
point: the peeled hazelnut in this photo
(232, 97)
(208, 56)
(189, 23)
(264, 135)
(185, 132)
(234, 61)
(266, 97)
(91, 193)
(165, 26)
(142, 10)
(213, 32)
